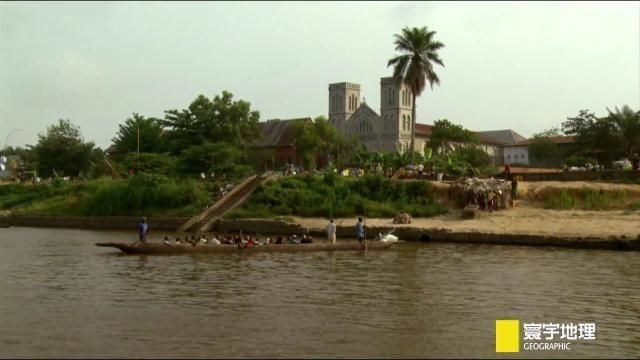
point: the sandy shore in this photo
(524, 218)
(518, 220)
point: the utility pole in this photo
(6, 140)
(138, 160)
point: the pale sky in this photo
(523, 66)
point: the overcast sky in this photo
(524, 66)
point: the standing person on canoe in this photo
(143, 230)
(360, 229)
(331, 232)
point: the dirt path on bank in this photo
(519, 220)
(525, 218)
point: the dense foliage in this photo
(335, 196)
(143, 194)
(147, 130)
(62, 151)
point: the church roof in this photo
(553, 139)
(276, 132)
(486, 139)
(506, 136)
(423, 130)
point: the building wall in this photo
(516, 155)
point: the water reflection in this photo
(416, 300)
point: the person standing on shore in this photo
(143, 230)
(514, 189)
(331, 232)
(360, 229)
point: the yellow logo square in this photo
(507, 335)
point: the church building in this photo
(388, 131)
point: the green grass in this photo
(584, 199)
(334, 196)
(140, 195)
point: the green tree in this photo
(446, 135)
(543, 146)
(627, 125)
(414, 66)
(317, 138)
(595, 136)
(62, 151)
(163, 164)
(218, 120)
(221, 158)
(150, 131)
(307, 142)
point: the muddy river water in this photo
(60, 296)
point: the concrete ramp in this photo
(236, 197)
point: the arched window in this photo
(409, 125)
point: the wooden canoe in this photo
(161, 248)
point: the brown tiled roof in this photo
(507, 136)
(423, 130)
(276, 132)
(486, 139)
(555, 139)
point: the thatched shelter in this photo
(485, 194)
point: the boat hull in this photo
(160, 248)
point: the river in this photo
(61, 296)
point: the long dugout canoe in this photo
(161, 248)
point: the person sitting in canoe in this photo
(215, 241)
(306, 239)
(293, 239)
(203, 239)
(177, 241)
(167, 241)
(143, 230)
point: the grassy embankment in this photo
(139, 195)
(586, 198)
(335, 196)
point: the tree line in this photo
(601, 139)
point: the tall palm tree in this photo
(627, 123)
(414, 67)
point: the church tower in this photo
(344, 99)
(395, 109)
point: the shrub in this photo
(335, 196)
(144, 193)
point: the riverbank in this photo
(517, 226)
(614, 226)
